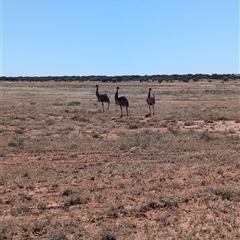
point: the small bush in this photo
(76, 201)
(133, 126)
(49, 122)
(225, 194)
(67, 192)
(208, 121)
(189, 123)
(150, 205)
(42, 206)
(95, 135)
(206, 136)
(39, 227)
(74, 103)
(20, 210)
(19, 131)
(114, 211)
(79, 118)
(59, 236)
(107, 234)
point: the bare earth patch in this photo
(69, 171)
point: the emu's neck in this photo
(97, 93)
(116, 95)
(149, 93)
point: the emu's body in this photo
(121, 101)
(150, 100)
(102, 98)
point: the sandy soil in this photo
(69, 171)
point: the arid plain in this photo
(70, 171)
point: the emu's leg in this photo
(108, 105)
(149, 109)
(153, 109)
(103, 106)
(127, 110)
(121, 110)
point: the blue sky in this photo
(119, 37)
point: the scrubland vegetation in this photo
(69, 171)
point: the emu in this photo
(150, 101)
(121, 101)
(102, 98)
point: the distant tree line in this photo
(126, 78)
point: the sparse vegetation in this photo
(72, 172)
(73, 103)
